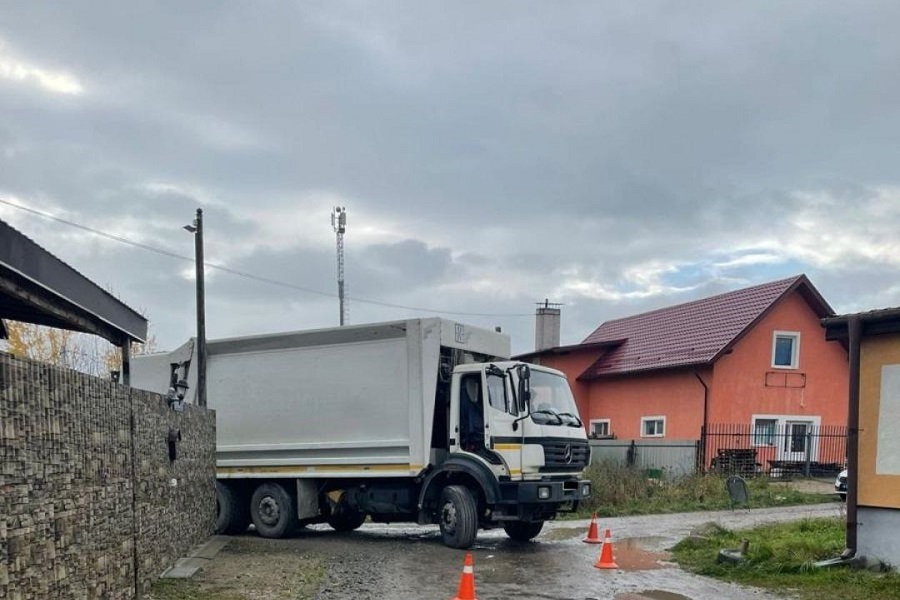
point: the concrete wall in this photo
(878, 534)
(90, 504)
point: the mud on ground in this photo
(408, 562)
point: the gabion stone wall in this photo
(91, 506)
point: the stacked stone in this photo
(175, 499)
(68, 524)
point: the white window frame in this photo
(653, 418)
(779, 422)
(795, 349)
(600, 436)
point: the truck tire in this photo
(273, 511)
(232, 512)
(458, 517)
(346, 520)
(521, 531)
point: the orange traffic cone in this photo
(466, 589)
(606, 560)
(593, 536)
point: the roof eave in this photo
(874, 322)
(585, 376)
(41, 288)
(561, 350)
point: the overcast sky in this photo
(611, 156)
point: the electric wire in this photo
(244, 274)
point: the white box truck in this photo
(422, 420)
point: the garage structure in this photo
(873, 488)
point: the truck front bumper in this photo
(544, 492)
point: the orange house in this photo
(753, 360)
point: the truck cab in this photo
(515, 428)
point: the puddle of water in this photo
(630, 554)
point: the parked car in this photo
(840, 485)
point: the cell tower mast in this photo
(339, 224)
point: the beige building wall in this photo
(879, 421)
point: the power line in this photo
(244, 274)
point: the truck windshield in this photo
(551, 400)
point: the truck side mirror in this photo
(523, 391)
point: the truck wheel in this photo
(346, 520)
(232, 513)
(458, 517)
(273, 511)
(521, 531)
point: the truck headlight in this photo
(585, 489)
(543, 492)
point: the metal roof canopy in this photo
(37, 287)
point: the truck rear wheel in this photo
(346, 520)
(232, 513)
(521, 531)
(273, 511)
(458, 517)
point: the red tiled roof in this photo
(692, 333)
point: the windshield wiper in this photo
(578, 422)
(552, 413)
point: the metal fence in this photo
(773, 448)
(672, 457)
(766, 448)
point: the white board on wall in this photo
(887, 456)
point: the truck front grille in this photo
(565, 455)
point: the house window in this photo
(600, 428)
(653, 426)
(785, 349)
(764, 432)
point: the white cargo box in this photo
(343, 402)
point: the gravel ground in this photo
(409, 562)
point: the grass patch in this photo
(249, 569)
(780, 558)
(187, 589)
(620, 491)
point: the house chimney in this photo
(546, 325)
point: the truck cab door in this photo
(470, 427)
(502, 438)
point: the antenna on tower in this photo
(339, 224)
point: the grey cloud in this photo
(597, 138)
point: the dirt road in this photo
(403, 562)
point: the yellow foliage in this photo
(61, 347)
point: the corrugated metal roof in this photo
(38, 287)
(872, 322)
(692, 333)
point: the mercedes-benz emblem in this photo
(567, 454)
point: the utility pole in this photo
(339, 224)
(197, 230)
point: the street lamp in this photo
(197, 229)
